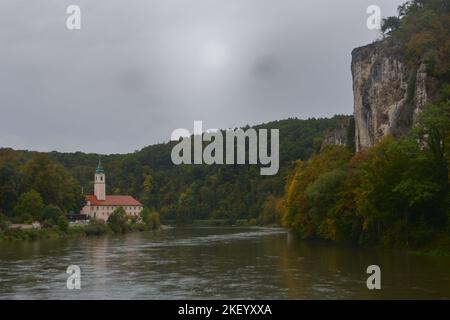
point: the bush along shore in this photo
(54, 225)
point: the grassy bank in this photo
(94, 228)
(32, 234)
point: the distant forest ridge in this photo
(188, 192)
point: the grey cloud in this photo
(140, 69)
(265, 67)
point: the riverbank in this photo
(98, 228)
(74, 231)
(439, 248)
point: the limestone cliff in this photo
(341, 135)
(387, 94)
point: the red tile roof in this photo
(113, 201)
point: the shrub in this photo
(53, 216)
(62, 223)
(96, 228)
(151, 219)
(117, 221)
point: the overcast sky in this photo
(138, 69)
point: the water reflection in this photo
(222, 262)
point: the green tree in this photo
(118, 221)
(96, 228)
(151, 219)
(186, 205)
(147, 189)
(401, 193)
(148, 184)
(9, 180)
(53, 216)
(302, 213)
(390, 24)
(323, 195)
(53, 183)
(433, 129)
(29, 207)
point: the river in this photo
(214, 263)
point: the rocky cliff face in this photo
(387, 95)
(336, 136)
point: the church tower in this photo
(99, 182)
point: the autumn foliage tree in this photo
(395, 193)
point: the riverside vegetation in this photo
(179, 193)
(395, 194)
(31, 181)
(55, 225)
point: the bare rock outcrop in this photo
(387, 94)
(339, 135)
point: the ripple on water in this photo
(221, 263)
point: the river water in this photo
(214, 262)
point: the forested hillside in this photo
(181, 193)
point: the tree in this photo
(150, 218)
(9, 180)
(29, 207)
(53, 183)
(420, 34)
(272, 210)
(147, 188)
(53, 216)
(302, 211)
(148, 184)
(323, 195)
(414, 5)
(390, 25)
(117, 221)
(401, 193)
(186, 205)
(433, 129)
